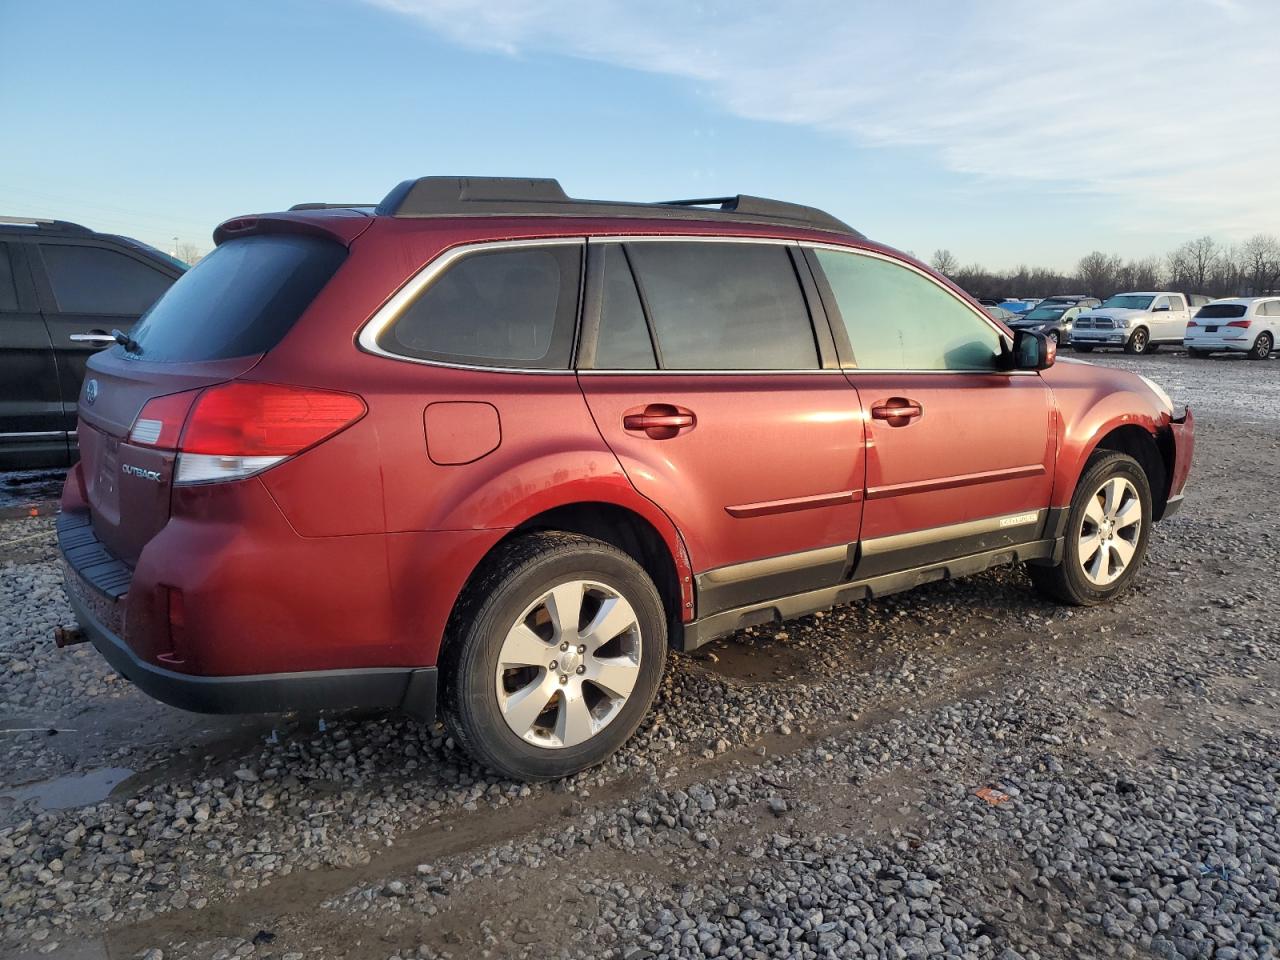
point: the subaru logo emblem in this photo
(91, 391)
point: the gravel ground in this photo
(964, 770)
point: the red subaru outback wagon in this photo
(486, 452)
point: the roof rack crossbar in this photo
(531, 197)
(332, 206)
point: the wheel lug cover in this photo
(553, 665)
(564, 646)
(563, 678)
(582, 669)
(582, 648)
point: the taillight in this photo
(160, 422)
(237, 429)
(1192, 323)
(1240, 323)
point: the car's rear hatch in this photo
(213, 325)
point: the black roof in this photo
(543, 197)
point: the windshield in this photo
(1128, 301)
(1221, 311)
(1045, 313)
(239, 300)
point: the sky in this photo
(1006, 131)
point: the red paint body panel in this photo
(930, 472)
(353, 553)
(757, 437)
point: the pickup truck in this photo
(1137, 322)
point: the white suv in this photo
(1138, 322)
(1244, 324)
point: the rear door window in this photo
(240, 300)
(87, 279)
(513, 307)
(724, 306)
(623, 342)
(897, 319)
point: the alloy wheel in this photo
(1139, 341)
(1262, 346)
(1109, 531)
(568, 664)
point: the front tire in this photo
(1138, 342)
(1108, 524)
(553, 657)
(1261, 347)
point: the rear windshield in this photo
(1222, 311)
(239, 300)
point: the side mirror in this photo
(1033, 351)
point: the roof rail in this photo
(531, 197)
(39, 223)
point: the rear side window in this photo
(240, 300)
(725, 306)
(1271, 308)
(512, 307)
(97, 280)
(1221, 311)
(623, 342)
(8, 292)
(898, 319)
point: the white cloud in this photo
(1171, 107)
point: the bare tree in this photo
(188, 253)
(945, 262)
(1260, 263)
(1099, 273)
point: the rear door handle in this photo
(897, 411)
(659, 421)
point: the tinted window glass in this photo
(1221, 311)
(725, 306)
(899, 320)
(623, 342)
(96, 280)
(8, 292)
(240, 300)
(506, 308)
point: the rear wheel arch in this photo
(609, 523)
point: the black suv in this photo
(60, 281)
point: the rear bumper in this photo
(377, 688)
(98, 587)
(1216, 343)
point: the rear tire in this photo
(1262, 347)
(502, 699)
(1139, 341)
(1108, 525)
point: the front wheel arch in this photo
(1156, 462)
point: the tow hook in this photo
(66, 636)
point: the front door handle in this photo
(897, 411)
(659, 421)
